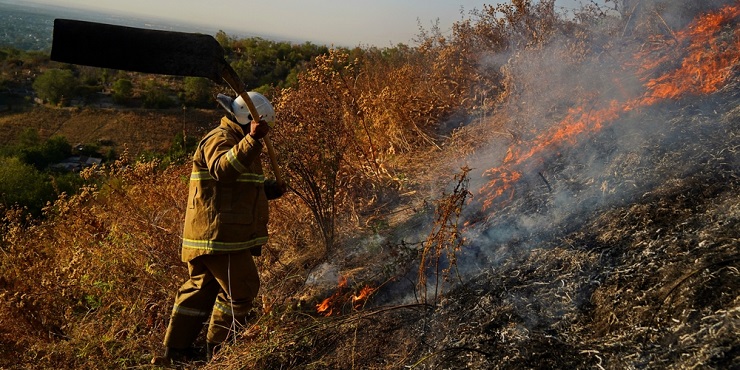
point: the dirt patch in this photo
(139, 130)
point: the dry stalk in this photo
(445, 239)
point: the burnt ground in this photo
(643, 276)
(653, 284)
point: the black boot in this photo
(212, 349)
(171, 355)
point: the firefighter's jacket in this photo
(227, 205)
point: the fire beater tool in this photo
(149, 51)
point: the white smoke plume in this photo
(630, 141)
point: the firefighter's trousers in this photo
(222, 286)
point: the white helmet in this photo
(240, 110)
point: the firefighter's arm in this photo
(227, 161)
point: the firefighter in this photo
(225, 226)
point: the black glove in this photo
(259, 129)
(274, 190)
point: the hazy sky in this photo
(340, 22)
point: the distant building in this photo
(76, 164)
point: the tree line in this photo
(262, 64)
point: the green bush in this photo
(56, 85)
(22, 184)
(54, 150)
(260, 62)
(123, 90)
(26, 176)
(30, 150)
(182, 147)
(197, 92)
(156, 96)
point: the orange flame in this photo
(326, 307)
(707, 62)
(330, 305)
(365, 293)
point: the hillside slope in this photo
(139, 130)
(648, 281)
(588, 220)
(596, 226)
(645, 279)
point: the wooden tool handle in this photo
(233, 80)
(266, 139)
(273, 160)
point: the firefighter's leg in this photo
(237, 275)
(193, 305)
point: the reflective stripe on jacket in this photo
(227, 207)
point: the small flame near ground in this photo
(333, 304)
(707, 55)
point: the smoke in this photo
(672, 14)
(595, 120)
(588, 134)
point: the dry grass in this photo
(94, 277)
(138, 130)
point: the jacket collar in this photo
(233, 126)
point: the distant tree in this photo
(54, 150)
(262, 63)
(225, 40)
(90, 75)
(34, 59)
(31, 150)
(197, 91)
(54, 85)
(29, 137)
(156, 96)
(22, 184)
(245, 70)
(122, 90)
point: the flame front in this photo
(707, 62)
(331, 305)
(327, 306)
(707, 53)
(359, 299)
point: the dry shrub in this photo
(645, 18)
(405, 95)
(372, 339)
(353, 117)
(518, 25)
(293, 250)
(90, 286)
(317, 141)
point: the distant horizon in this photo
(347, 23)
(133, 20)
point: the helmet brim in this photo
(225, 101)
